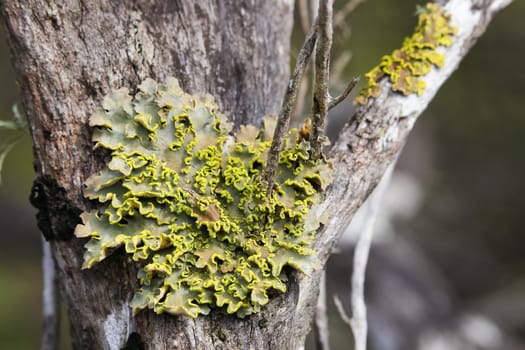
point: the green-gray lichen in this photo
(186, 200)
(405, 66)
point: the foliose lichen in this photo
(187, 201)
(415, 58)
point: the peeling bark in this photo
(69, 54)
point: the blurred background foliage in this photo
(466, 151)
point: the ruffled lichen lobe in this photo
(187, 201)
(418, 54)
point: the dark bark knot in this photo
(56, 216)
(134, 342)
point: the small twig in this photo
(341, 310)
(358, 322)
(341, 15)
(301, 97)
(322, 73)
(304, 15)
(321, 318)
(338, 66)
(344, 32)
(283, 120)
(337, 100)
(50, 300)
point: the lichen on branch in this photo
(418, 54)
(187, 201)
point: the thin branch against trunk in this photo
(322, 335)
(358, 322)
(289, 100)
(50, 310)
(321, 77)
(337, 100)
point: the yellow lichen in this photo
(186, 200)
(415, 58)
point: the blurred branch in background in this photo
(304, 16)
(50, 323)
(321, 329)
(18, 126)
(358, 321)
(342, 14)
(343, 30)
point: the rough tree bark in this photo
(69, 54)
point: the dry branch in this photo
(290, 97)
(321, 77)
(337, 100)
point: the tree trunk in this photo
(69, 54)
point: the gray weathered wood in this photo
(68, 54)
